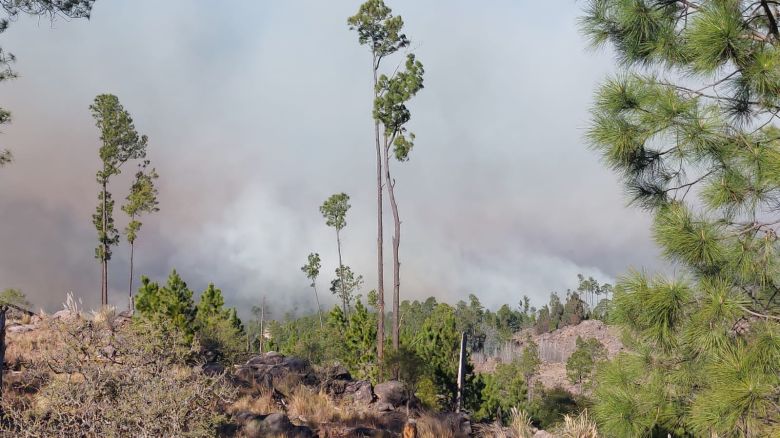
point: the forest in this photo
(686, 125)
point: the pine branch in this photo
(771, 17)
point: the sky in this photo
(256, 112)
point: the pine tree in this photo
(378, 28)
(312, 271)
(142, 199)
(394, 92)
(120, 143)
(171, 303)
(359, 339)
(582, 362)
(345, 286)
(529, 363)
(219, 329)
(334, 210)
(690, 126)
(381, 31)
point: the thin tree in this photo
(391, 110)
(120, 143)
(380, 31)
(142, 199)
(345, 286)
(312, 271)
(334, 210)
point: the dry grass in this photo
(311, 406)
(262, 403)
(430, 426)
(492, 430)
(520, 423)
(578, 427)
(106, 317)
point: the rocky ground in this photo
(279, 396)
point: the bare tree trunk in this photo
(341, 275)
(104, 256)
(131, 304)
(380, 264)
(262, 326)
(396, 243)
(3, 311)
(319, 309)
(461, 372)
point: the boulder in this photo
(212, 369)
(391, 392)
(383, 407)
(65, 315)
(270, 368)
(543, 434)
(359, 392)
(256, 426)
(337, 372)
(265, 359)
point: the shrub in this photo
(109, 380)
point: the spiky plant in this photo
(690, 125)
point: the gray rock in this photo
(383, 407)
(256, 426)
(265, 359)
(337, 372)
(295, 364)
(359, 391)
(269, 368)
(392, 392)
(21, 328)
(65, 314)
(212, 369)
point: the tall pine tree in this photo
(380, 30)
(120, 143)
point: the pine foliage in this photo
(690, 126)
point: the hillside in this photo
(554, 350)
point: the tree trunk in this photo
(461, 372)
(380, 264)
(319, 309)
(104, 256)
(396, 243)
(3, 311)
(131, 305)
(262, 326)
(341, 275)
